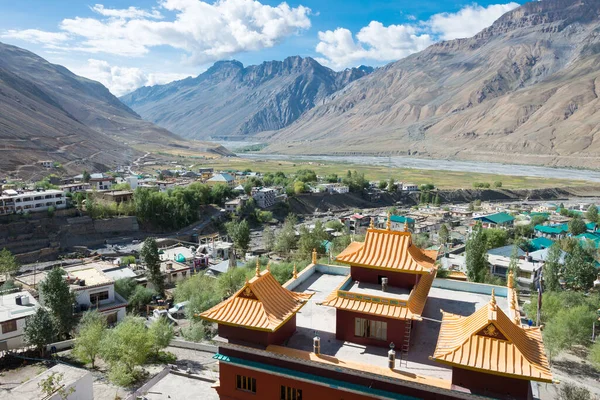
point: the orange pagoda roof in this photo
(488, 341)
(389, 250)
(261, 304)
(380, 305)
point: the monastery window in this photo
(524, 274)
(97, 297)
(370, 329)
(290, 393)
(9, 326)
(245, 383)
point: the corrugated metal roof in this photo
(489, 341)
(387, 249)
(262, 304)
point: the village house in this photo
(75, 187)
(15, 308)
(47, 163)
(410, 187)
(206, 173)
(222, 179)
(497, 220)
(116, 196)
(101, 181)
(264, 197)
(13, 201)
(232, 205)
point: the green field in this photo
(441, 179)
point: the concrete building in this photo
(232, 205)
(77, 383)
(47, 163)
(75, 187)
(265, 197)
(14, 310)
(116, 196)
(12, 202)
(101, 181)
(133, 181)
(222, 179)
(410, 187)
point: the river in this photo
(446, 165)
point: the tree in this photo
(476, 257)
(57, 296)
(311, 240)
(149, 254)
(391, 187)
(9, 265)
(53, 385)
(240, 234)
(471, 207)
(580, 271)
(592, 213)
(498, 184)
(495, 238)
(569, 327)
(126, 347)
(125, 287)
(86, 176)
(513, 265)
(140, 297)
(569, 391)
(595, 354)
(552, 269)
(90, 331)
(161, 333)
(382, 184)
(40, 330)
(444, 234)
(268, 239)
(286, 238)
(437, 202)
(299, 187)
(577, 226)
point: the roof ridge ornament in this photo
(511, 280)
(257, 267)
(314, 256)
(388, 224)
(372, 224)
(295, 272)
(493, 304)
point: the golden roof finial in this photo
(314, 256)
(510, 282)
(295, 272)
(493, 299)
(405, 224)
(247, 281)
(388, 224)
(372, 224)
(257, 267)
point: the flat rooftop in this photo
(91, 274)
(321, 319)
(9, 309)
(30, 390)
(175, 386)
(372, 289)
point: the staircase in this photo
(405, 344)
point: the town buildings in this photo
(497, 220)
(12, 201)
(301, 340)
(265, 197)
(222, 179)
(15, 308)
(101, 181)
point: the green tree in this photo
(471, 207)
(86, 176)
(569, 391)
(498, 184)
(332, 178)
(231, 281)
(594, 355)
(40, 330)
(9, 265)
(495, 238)
(310, 240)
(90, 331)
(57, 296)
(580, 271)
(335, 224)
(53, 385)
(140, 297)
(513, 265)
(592, 213)
(161, 333)
(125, 287)
(299, 187)
(286, 237)
(149, 254)
(552, 269)
(476, 254)
(391, 187)
(437, 202)
(268, 239)
(444, 234)
(121, 186)
(240, 234)
(577, 226)
(569, 327)
(126, 347)
(382, 184)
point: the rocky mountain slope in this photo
(524, 90)
(229, 101)
(49, 113)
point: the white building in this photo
(31, 201)
(265, 197)
(528, 269)
(78, 383)
(410, 187)
(14, 310)
(132, 180)
(47, 163)
(341, 189)
(101, 181)
(75, 187)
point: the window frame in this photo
(6, 325)
(245, 383)
(96, 295)
(370, 329)
(290, 393)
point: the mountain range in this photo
(49, 113)
(523, 90)
(231, 101)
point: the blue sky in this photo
(126, 44)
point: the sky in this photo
(126, 44)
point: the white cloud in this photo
(37, 36)
(122, 80)
(131, 12)
(378, 43)
(205, 31)
(468, 21)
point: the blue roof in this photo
(498, 218)
(541, 243)
(401, 219)
(590, 226)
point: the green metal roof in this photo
(541, 243)
(401, 219)
(332, 383)
(590, 226)
(552, 229)
(498, 218)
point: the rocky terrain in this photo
(230, 101)
(49, 113)
(521, 91)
